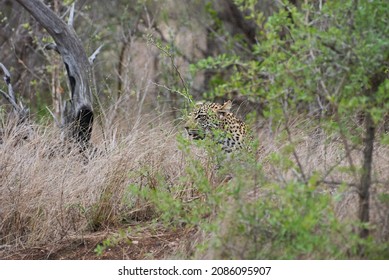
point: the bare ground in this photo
(146, 244)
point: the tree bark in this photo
(77, 115)
(20, 111)
(370, 128)
(364, 189)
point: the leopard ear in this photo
(226, 107)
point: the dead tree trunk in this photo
(77, 115)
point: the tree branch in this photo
(71, 15)
(19, 109)
(95, 54)
(78, 118)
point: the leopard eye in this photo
(200, 116)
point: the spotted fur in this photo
(216, 121)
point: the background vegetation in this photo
(311, 79)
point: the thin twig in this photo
(174, 91)
(171, 57)
(338, 183)
(54, 117)
(294, 150)
(341, 130)
(329, 171)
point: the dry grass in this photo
(52, 194)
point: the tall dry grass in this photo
(50, 192)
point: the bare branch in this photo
(173, 91)
(9, 99)
(95, 54)
(21, 111)
(7, 79)
(7, 75)
(53, 47)
(10, 95)
(71, 15)
(170, 55)
(338, 183)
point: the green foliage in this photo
(318, 57)
(328, 62)
(184, 203)
(252, 215)
(295, 222)
(288, 223)
(110, 242)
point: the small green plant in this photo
(110, 242)
(100, 248)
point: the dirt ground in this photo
(147, 244)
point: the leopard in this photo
(216, 121)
